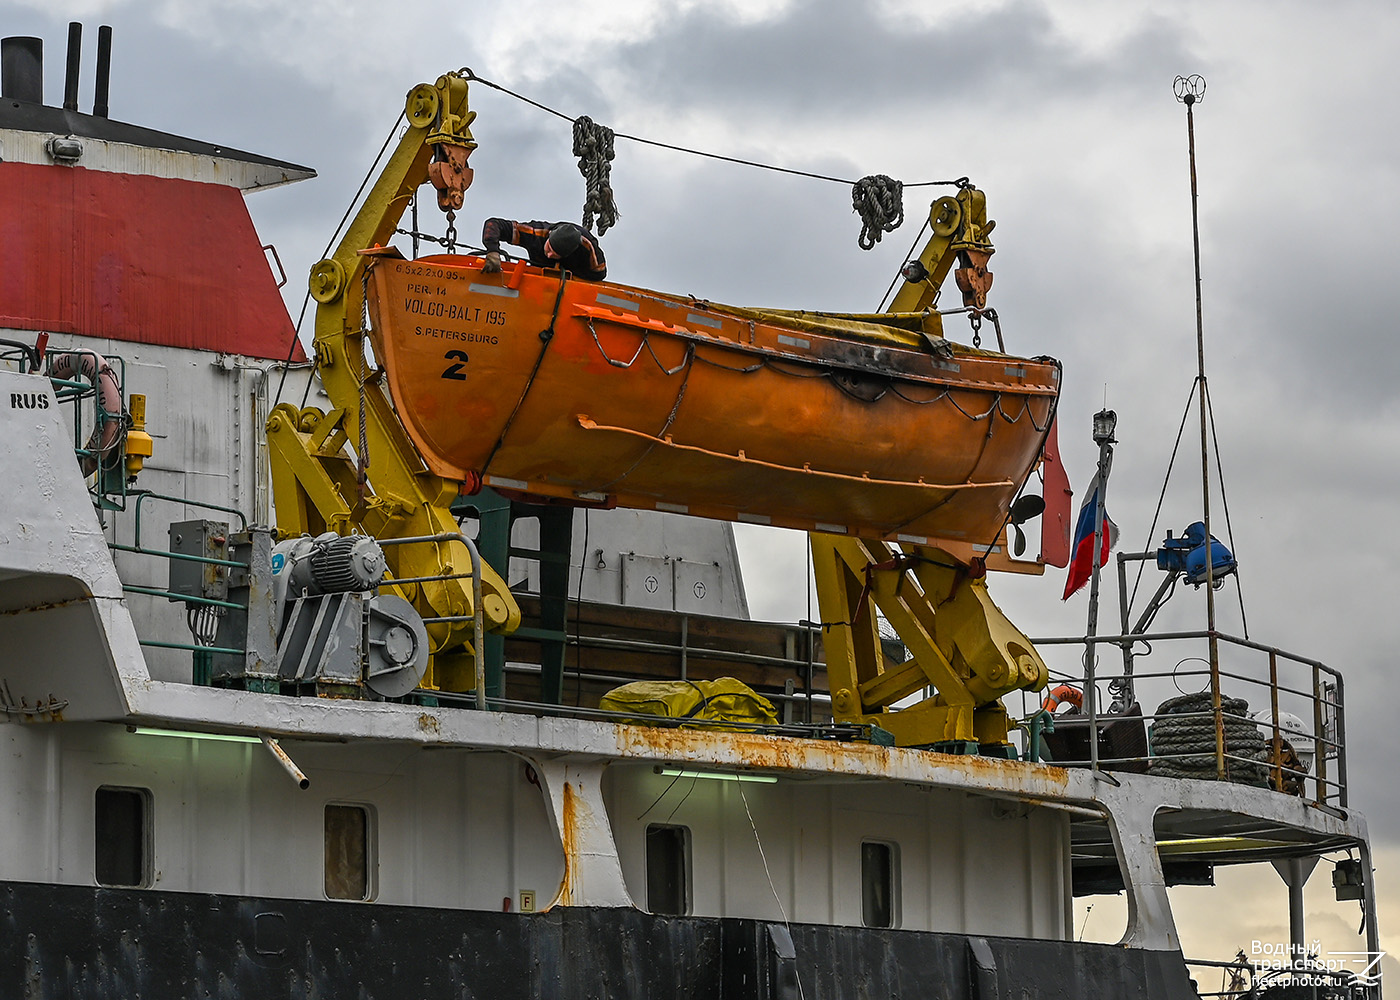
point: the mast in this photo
(1189, 91)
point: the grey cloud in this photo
(831, 56)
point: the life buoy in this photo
(107, 434)
(1061, 695)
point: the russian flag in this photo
(1081, 564)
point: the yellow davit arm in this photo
(390, 492)
(960, 644)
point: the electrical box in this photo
(189, 577)
(1347, 881)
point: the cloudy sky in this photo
(1063, 113)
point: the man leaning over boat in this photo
(549, 244)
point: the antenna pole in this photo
(1190, 90)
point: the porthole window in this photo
(350, 861)
(878, 879)
(122, 829)
(668, 869)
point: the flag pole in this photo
(1189, 91)
(1104, 423)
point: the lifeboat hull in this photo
(602, 393)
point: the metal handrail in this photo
(478, 623)
(143, 495)
(1326, 698)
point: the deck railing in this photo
(1232, 741)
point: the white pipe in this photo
(303, 782)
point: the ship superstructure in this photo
(251, 761)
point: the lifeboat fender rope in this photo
(593, 145)
(546, 335)
(589, 424)
(689, 365)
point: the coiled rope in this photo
(879, 201)
(593, 145)
(1183, 740)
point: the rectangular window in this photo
(123, 835)
(877, 881)
(349, 852)
(668, 869)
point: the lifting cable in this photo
(876, 197)
(296, 331)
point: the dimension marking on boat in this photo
(510, 484)
(951, 366)
(1015, 372)
(593, 495)
(794, 341)
(756, 518)
(501, 290)
(831, 529)
(705, 321)
(613, 300)
(915, 539)
(674, 508)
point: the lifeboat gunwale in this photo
(873, 366)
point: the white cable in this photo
(771, 887)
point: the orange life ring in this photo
(1060, 695)
(107, 434)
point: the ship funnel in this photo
(22, 69)
(104, 70)
(75, 59)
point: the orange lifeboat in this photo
(602, 393)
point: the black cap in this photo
(565, 238)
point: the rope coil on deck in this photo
(1183, 740)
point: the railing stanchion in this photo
(1319, 747)
(1278, 738)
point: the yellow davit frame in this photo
(316, 485)
(961, 646)
(960, 643)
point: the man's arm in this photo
(496, 230)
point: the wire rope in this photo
(296, 331)
(467, 73)
(1225, 503)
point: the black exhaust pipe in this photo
(75, 60)
(22, 69)
(104, 70)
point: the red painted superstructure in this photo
(132, 257)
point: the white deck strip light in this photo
(719, 776)
(191, 735)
